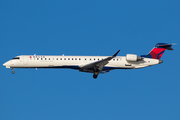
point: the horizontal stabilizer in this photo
(164, 45)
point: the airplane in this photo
(91, 64)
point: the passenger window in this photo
(45, 58)
(79, 58)
(60, 58)
(85, 58)
(64, 58)
(41, 58)
(49, 58)
(68, 58)
(90, 59)
(75, 58)
(37, 58)
(57, 58)
(72, 58)
(94, 59)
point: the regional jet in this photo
(90, 64)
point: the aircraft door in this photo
(25, 60)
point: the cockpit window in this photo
(16, 58)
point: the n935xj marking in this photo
(90, 64)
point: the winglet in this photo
(115, 54)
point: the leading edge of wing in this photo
(115, 54)
(100, 62)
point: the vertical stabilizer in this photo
(158, 50)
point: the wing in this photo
(98, 65)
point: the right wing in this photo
(98, 65)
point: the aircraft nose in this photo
(5, 64)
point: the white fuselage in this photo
(91, 64)
(76, 62)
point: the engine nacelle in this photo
(133, 57)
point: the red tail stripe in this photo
(156, 51)
(160, 55)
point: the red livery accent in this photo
(156, 53)
(158, 50)
(160, 56)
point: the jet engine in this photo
(133, 58)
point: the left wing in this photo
(98, 65)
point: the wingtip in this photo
(115, 54)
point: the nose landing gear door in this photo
(25, 60)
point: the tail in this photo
(158, 50)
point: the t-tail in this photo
(158, 50)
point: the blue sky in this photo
(89, 28)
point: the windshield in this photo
(16, 58)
